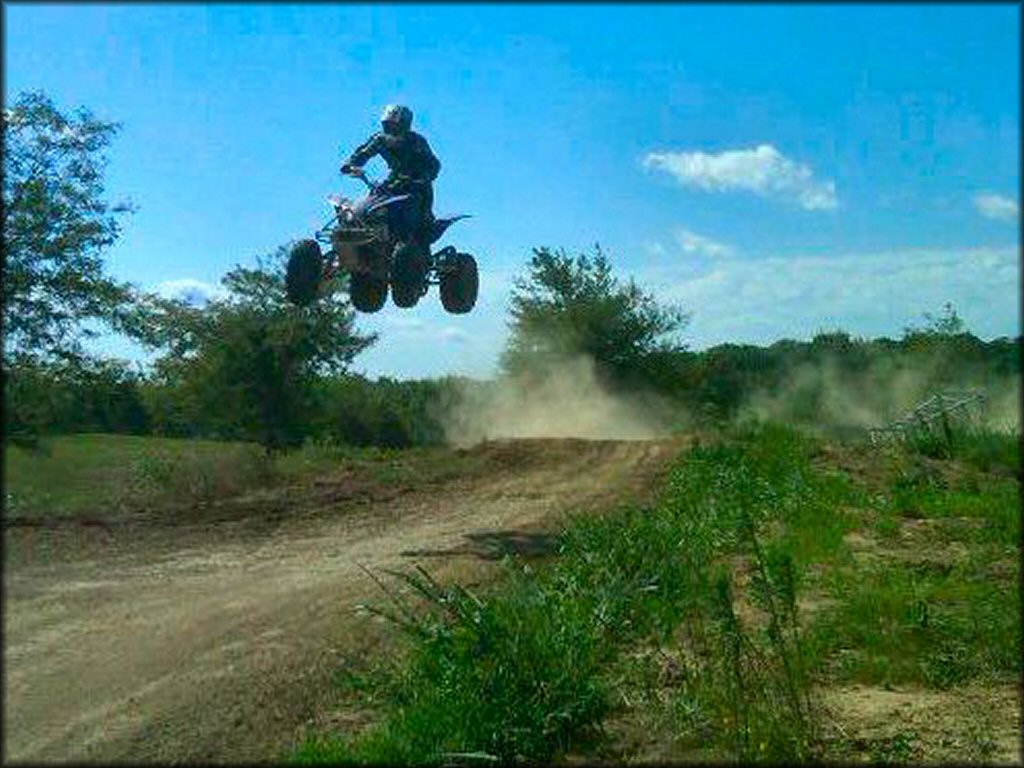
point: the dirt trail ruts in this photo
(214, 640)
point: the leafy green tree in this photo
(568, 306)
(57, 223)
(937, 332)
(45, 397)
(245, 366)
(33, 400)
(387, 413)
(943, 345)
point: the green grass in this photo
(984, 448)
(99, 474)
(513, 677)
(388, 466)
(996, 510)
(925, 625)
(936, 607)
(707, 580)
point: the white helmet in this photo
(396, 119)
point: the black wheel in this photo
(405, 296)
(368, 293)
(408, 275)
(305, 270)
(460, 284)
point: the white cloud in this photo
(693, 244)
(191, 291)
(764, 171)
(762, 300)
(453, 335)
(993, 206)
(414, 328)
(655, 248)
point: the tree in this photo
(57, 223)
(72, 395)
(948, 324)
(244, 366)
(565, 307)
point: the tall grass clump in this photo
(523, 673)
(513, 677)
(984, 448)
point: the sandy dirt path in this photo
(214, 638)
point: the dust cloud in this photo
(564, 400)
(1002, 411)
(568, 400)
(825, 395)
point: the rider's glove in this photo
(347, 168)
(404, 178)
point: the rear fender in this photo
(440, 226)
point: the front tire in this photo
(368, 293)
(460, 285)
(304, 273)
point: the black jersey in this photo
(407, 155)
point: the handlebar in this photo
(360, 174)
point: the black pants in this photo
(421, 205)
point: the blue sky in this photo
(777, 170)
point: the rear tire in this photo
(408, 276)
(304, 273)
(460, 285)
(368, 293)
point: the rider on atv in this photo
(412, 164)
(383, 242)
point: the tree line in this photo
(250, 366)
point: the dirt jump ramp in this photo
(213, 638)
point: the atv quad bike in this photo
(375, 242)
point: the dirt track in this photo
(212, 637)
